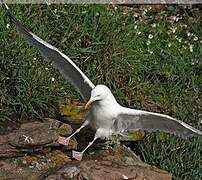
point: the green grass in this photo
(145, 57)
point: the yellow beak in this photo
(88, 104)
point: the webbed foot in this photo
(63, 140)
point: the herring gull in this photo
(106, 116)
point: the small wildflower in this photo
(138, 33)
(195, 38)
(7, 26)
(52, 79)
(97, 14)
(46, 68)
(150, 36)
(135, 27)
(24, 162)
(185, 25)
(179, 40)
(173, 29)
(169, 44)
(153, 25)
(191, 47)
(184, 47)
(201, 41)
(148, 42)
(34, 59)
(150, 52)
(174, 18)
(55, 11)
(188, 34)
(135, 15)
(114, 6)
(149, 8)
(177, 19)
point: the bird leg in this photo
(78, 155)
(65, 140)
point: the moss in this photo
(137, 135)
(73, 111)
(29, 159)
(57, 158)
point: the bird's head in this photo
(99, 93)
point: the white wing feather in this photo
(60, 61)
(132, 120)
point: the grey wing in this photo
(152, 122)
(60, 61)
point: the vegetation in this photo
(150, 58)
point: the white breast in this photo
(101, 117)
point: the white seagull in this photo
(106, 116)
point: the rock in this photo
(32, 152)
(110, 165)
(33, 167)
(34, 136)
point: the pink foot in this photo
(77, 155)
(63, 140)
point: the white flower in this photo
(148, 42)
(153, 25)
(191, 47)
(34, 59)
(7, 26)
(115, 7)
(149, 8)
(179, 40)
(188, 34)
(52, 79)
(135, 27)
(135, 15)
(173, 29)
(150, 52)
(195, 38)
(177, 19)
(138, 33)
(169, 44)
(173, 18)
(184, 47)
(46, 68)
(150, 36)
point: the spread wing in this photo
(60, 61)
(132, 120)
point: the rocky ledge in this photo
(32, 152)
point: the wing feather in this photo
(135, 119)
(60, 61)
